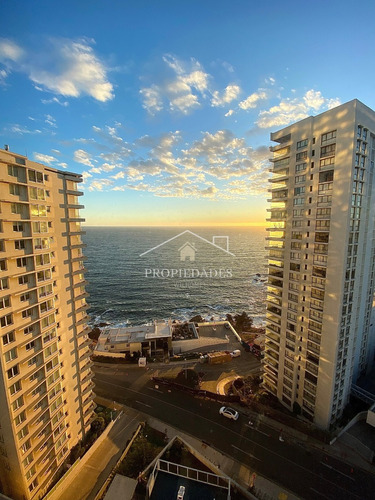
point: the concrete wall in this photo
(76, 468)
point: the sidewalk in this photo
(99, 465)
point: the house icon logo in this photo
(188, 251)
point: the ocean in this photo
(138, 274)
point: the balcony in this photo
(275, 282)
(269, 384)
(271, 354)
(269, 369)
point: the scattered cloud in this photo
(50, 120)
(180, 89)
(10, 51)
(229, 113)
(166, 166)
(100, 184)
(42, 158)
(230, 94)
(69, 67)
(63, 165)
(55, 100)
(81, 156)
(19, 129)
(253, 100)
(291, 110)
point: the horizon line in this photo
(177, 225)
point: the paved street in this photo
(310, 474)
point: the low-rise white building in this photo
(145, 340)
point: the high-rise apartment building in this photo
(321, 261)
(46, 398)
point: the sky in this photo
(166, 107)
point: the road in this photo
(308, 473)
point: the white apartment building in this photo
(321, 252)
(46, 398)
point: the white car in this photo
(181, 493)
(229, 412)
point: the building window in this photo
(28, 329)
(3, 265)
(11, 355)
(22, 280)
(301, 156)
(4, 284)
(300, 167)
(6, 320)
(19, 244)
(8, 338)
(4, 302)
(22, 262)
(17, 404)
(13, 372)
(15, 387)
(327, 150)
(24, 297)
(12, 170)
(14, 189)
(329, 136)
(302, 144)
(35, 176)
(27, 313)
(18, 227)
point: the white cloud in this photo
(81, 156)
(56, 151)
(63, 165)
(50, 120)
(10, 50)
(55, 100)
(230, 94)
(152, 99)
(253, 100)
(106, 167)
(229, 113)
(19, 129)
(119, 175)
(44, 158)
(96, 170)
(68, 67)
(182, 89)
(291, 110)
(3, 76)
(100, 184)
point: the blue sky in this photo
(166, 106)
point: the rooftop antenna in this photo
(6, 147)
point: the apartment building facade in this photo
(46, 398)
(321, 255)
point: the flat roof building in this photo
(321, 251)
(46, 398)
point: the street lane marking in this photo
(227, 429)
(342, 473)
(320, 494)
(155, 390)
(257, 430)
(144, 404)
(246, 453)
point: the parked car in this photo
(236, 353)
(229, 412)
(181, 493)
